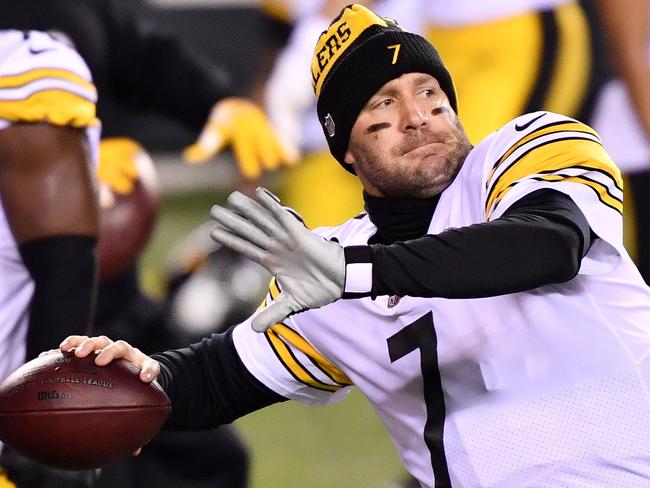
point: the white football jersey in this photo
(544, 388)
(41, 80)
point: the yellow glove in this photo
(255, 142)
(117, 168)
(5, 482)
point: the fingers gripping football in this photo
(309, 269)
(107, 350)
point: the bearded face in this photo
(407, 141)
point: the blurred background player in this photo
(530, 54)
(136, 63)
(49, 216)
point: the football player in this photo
(484, 302)
(48, 148)
(48, 213)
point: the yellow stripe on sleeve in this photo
(292, 365)
(21, 79)
(281, 336)
(557, 155)
(556, 127)
(274, 289)
(600, 189)
(53, 106)
(296, 340)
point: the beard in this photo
(397, 176)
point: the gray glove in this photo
(309, 269)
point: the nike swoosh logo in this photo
(527, 124)
(39, 51)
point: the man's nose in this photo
(414, 115)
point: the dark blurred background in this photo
(231, 33)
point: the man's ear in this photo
(349, 158)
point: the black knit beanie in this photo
(358, 54)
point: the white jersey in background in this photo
(41, 80)
(546, 388)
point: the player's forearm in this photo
(64, 270)
(50, 203)
(208, 385)
(538, 243)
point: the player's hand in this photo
(310, 270)
(117, 167)
(240, 123)
(107, 350)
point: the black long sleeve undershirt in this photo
(539, 240)
(208, 385)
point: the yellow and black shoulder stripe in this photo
(53, 95)
(300, 358)
(560, 151)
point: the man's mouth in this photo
(425, 147)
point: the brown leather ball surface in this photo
(67, 412)
(127, 222)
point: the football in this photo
(126, 222)
(68, 413)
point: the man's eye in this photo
(428, 93)
(384, 103)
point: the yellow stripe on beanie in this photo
(342, 32)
